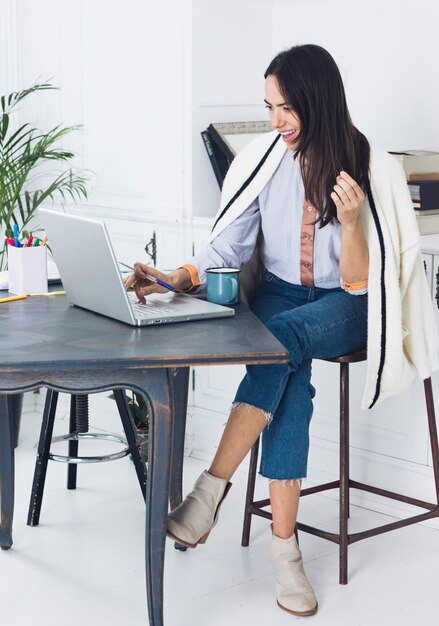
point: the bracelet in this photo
(192, 271)
(361, 284)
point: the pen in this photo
(29, 241)
(17, 244)
(10, 241)
(11, 298)
(125, 265)
(44, 241)
(49, 293)
(159, 282)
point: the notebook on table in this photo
(92, 279)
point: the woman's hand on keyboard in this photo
(143, 283)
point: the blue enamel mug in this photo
(223, 285)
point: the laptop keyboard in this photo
(149, 310)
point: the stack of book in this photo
(223, 141)
(422, 172)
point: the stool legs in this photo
(433, 433)
(345, 483)
(78, 422)
(72, 468)
(33, 516)
(344, 472)
(127, 423)
(250, 494)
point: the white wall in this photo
(119, 66)
(232, 46)
(145, 79)
(388, 64)
(389, 57)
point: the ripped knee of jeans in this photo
(287, 482)
(268, 416)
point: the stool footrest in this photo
(354, 537)
(256, 508)
(343, 538)
(90, 459)
(260, 504)
(335, 484)
(354, 484)
(319, 532)
(394, 496)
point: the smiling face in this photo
(282, 117)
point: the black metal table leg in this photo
(159, 389)
(181, 389)
(180, 383)
(6, 473)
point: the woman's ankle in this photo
(282, 531)
(218, 473)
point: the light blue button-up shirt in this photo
(278, 210)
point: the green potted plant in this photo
(140, 414)
(33, 169)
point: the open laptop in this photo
(92, 280)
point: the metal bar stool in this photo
(79, 429)
(345, 483)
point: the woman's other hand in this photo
(354, 255)
(348, 197)
(180, 280)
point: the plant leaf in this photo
(25, 154)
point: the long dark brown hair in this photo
(311, 84)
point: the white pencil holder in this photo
(27, 269)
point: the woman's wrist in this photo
(352, 226)
(180, 279)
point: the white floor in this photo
(84, 562)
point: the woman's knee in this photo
(288, 330)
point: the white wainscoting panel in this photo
(215, 386)
(9, 58)
(396, 427)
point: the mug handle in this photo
(234, 289)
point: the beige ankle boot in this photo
(293, 590)
(191, 522)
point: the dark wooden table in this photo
(45, 342)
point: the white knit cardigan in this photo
(402, 334)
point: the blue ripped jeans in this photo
(310, 323)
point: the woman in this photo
(337, 231)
